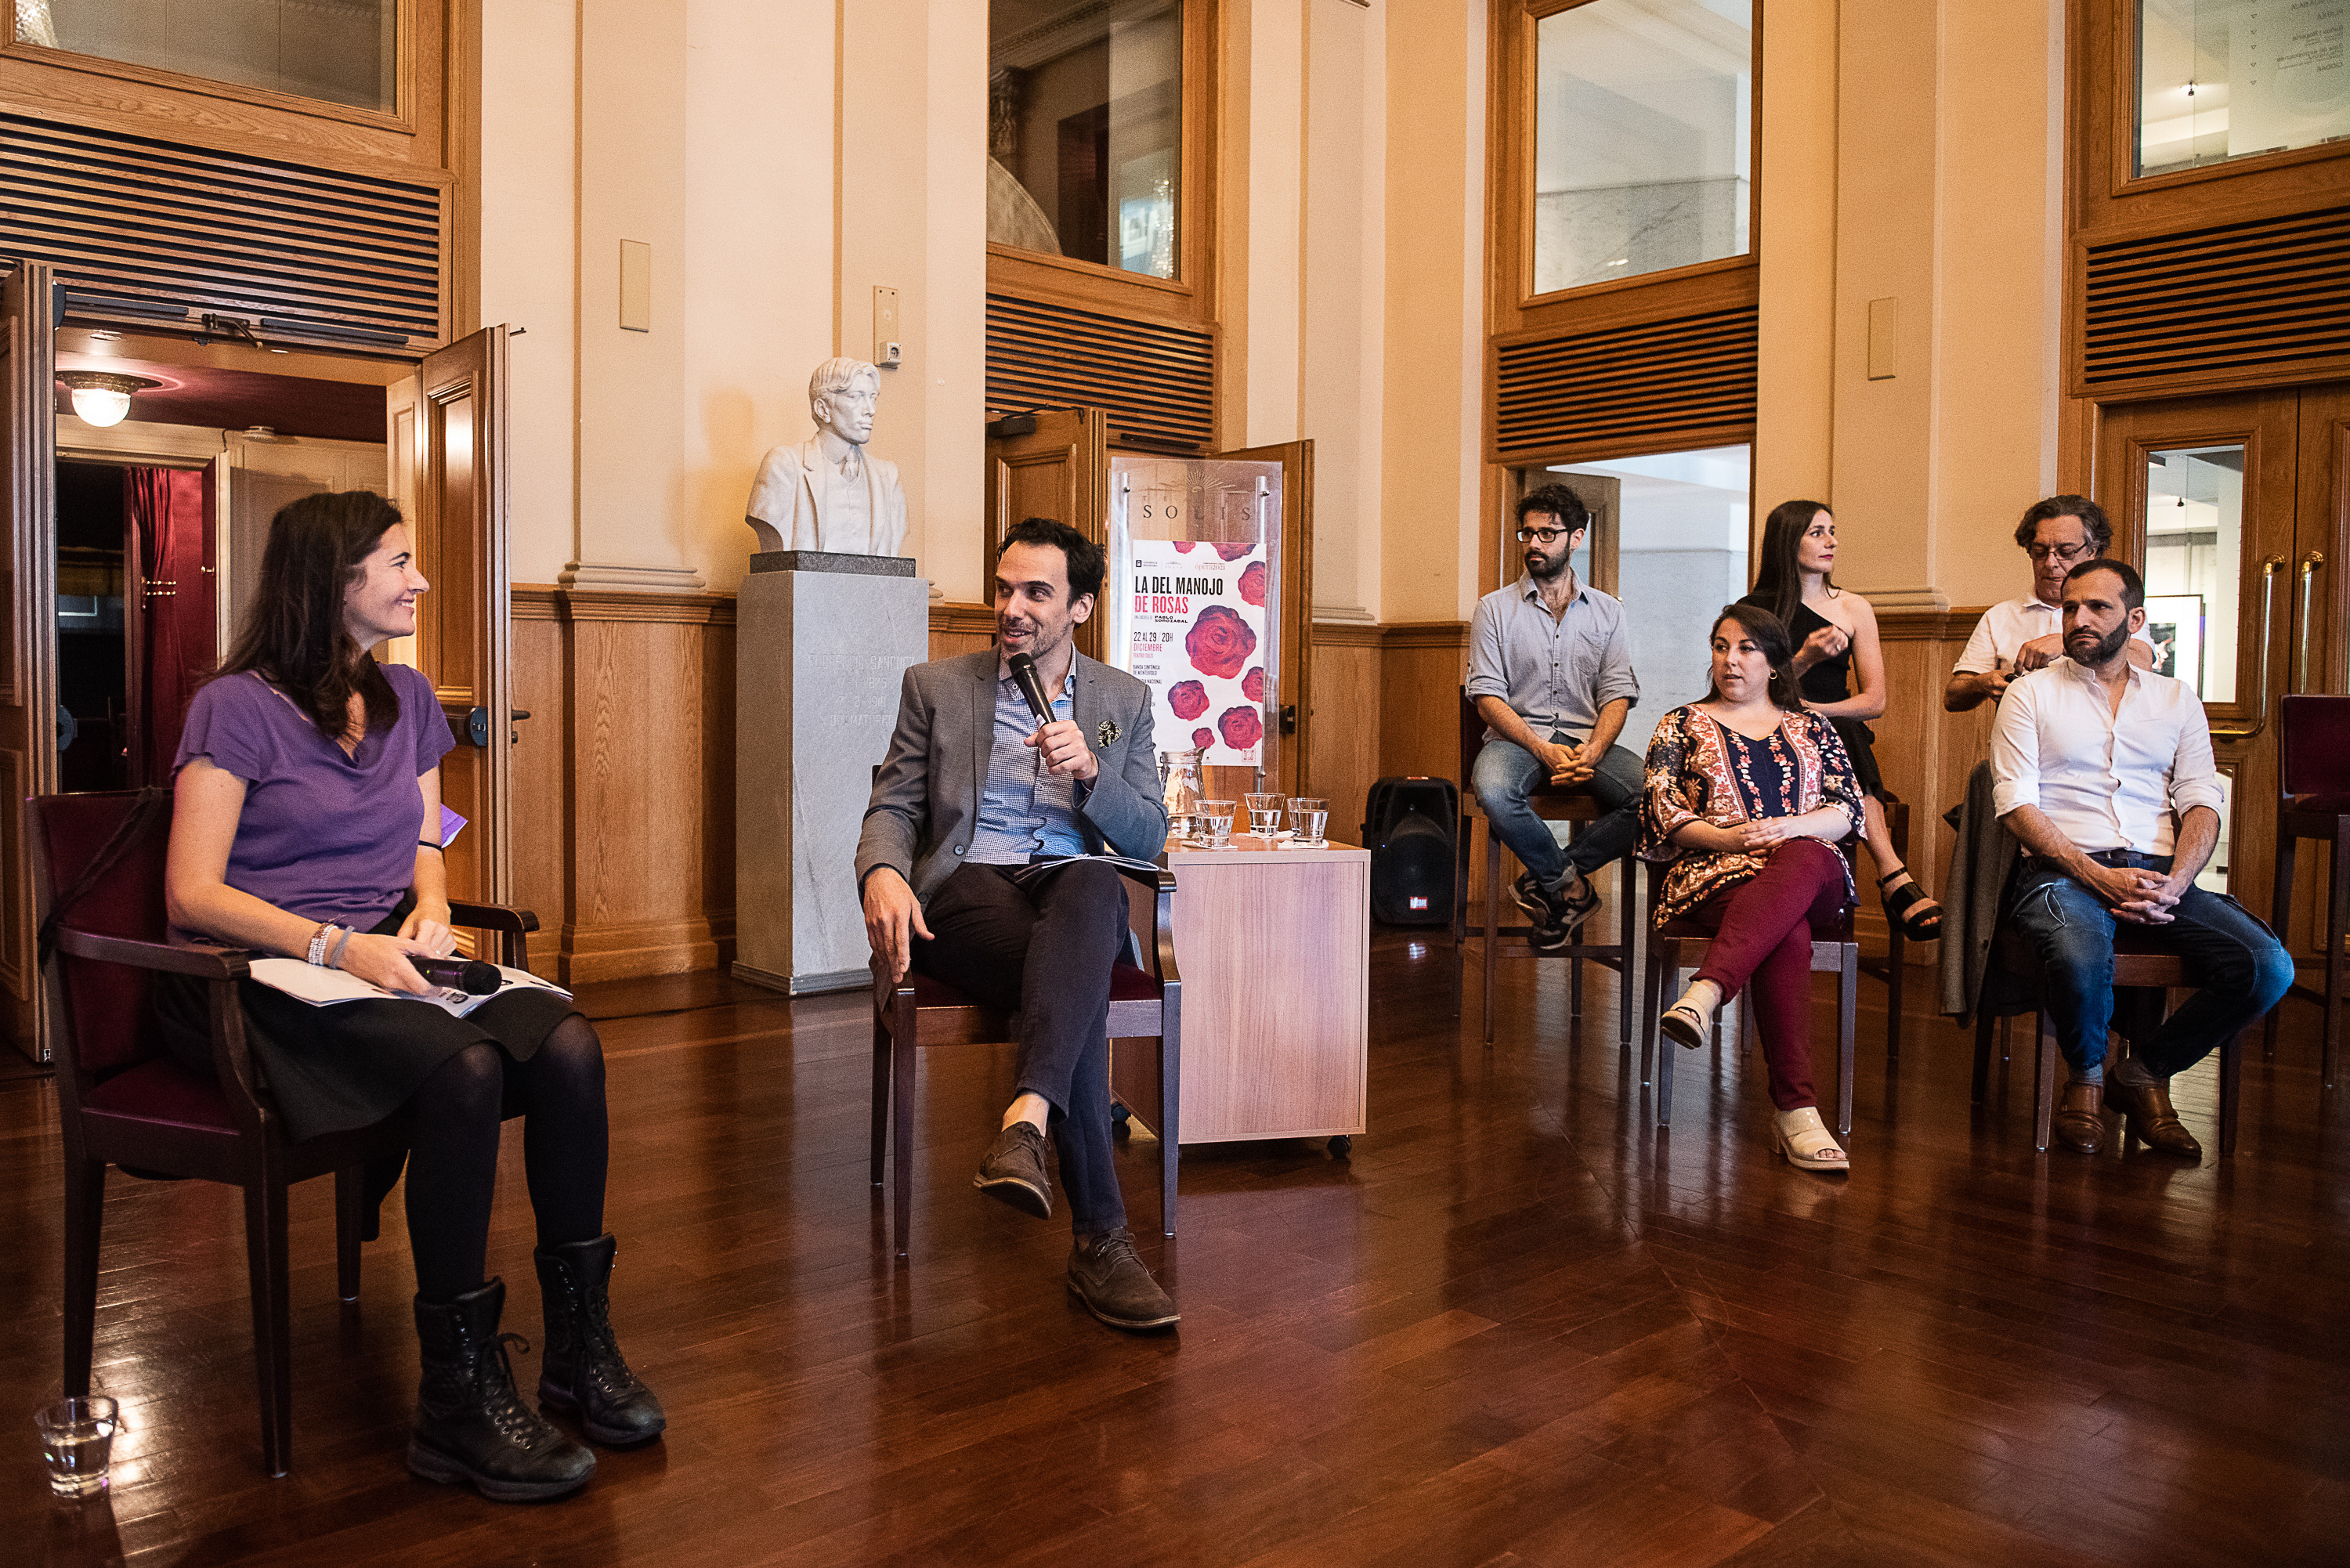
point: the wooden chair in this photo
(1680, 944)
(2313, 774)
(1552, 805)
(2137, 964)
(1146, 1003)
(123, 1100)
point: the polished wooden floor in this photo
(1518, 1326)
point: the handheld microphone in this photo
(1024, 672)
(471, 976)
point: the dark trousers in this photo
(2239, 967)
(1046, 955)
(1764, 936)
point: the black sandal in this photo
(1921, 928)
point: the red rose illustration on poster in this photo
(1253, 583)
(1203, 738)
(1219, 642)
(1251, 685)
(1240, 728)
(1182, 546)
(1232, 550)
(1187, 698)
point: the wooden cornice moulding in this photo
(541, 601)
(950, 618)
(1348, 634)
(1953, 625)
(1449, 634)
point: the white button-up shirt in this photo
(2108, 779)
(2006, 628)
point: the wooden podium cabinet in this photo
(1275, 946)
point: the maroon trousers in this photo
(1762, 938)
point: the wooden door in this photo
(449, 435)
(1053, 464)
(28, 698)
(1296, 575)
(2262, 475)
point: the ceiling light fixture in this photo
(102, 398)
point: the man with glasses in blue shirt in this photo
(1551, 677)
(2027, 634)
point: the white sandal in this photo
(1806, 1142)
(1688, 1023)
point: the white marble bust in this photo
(828, 493)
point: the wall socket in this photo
(887, 351)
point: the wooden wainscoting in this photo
(624, 779)
(1343, 737)
(1924, 753)
(958, 629)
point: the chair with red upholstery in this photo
(1146, 1003)
(2314, 775)
(124, 1101)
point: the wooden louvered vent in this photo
(165, 228)
(1689, 381)
(2268, 300)
(1155, 383)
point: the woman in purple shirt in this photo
(307, 822)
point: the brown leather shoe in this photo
(2146, 1108)
(2080, 1118)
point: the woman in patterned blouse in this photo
(1747, 791)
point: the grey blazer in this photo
(925, 804)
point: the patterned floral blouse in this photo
(1702, 769)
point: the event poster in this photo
(1196, 637)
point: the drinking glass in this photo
(1264, 814)
(78, 1436)
(1308, 819)
(1216, 823)
(1178, 785)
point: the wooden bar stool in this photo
(1552, 805)
(1681, 945)
(2313, 774)
(2136, 964)
(1894, 965)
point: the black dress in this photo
(1830, 681)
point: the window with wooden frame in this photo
(1622, 284)
(349, 78)
(1099, 154)
(1627, 133)
(2210, 154)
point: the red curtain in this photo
(172, 641)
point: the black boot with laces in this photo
(583, 1373)
(470, 1423)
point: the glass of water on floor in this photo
(1264, 814)
(1308, 820)
(1216, 823)
(78, 1436)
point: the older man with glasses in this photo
(2027, 634)
(1551, 677)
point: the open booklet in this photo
(323, 987)
(1035, 871)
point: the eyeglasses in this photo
(2068, 553)
(1547, 536)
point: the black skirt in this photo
(1856, 737)
(331, 1069)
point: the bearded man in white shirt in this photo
(2102, 772)
(2021, 636)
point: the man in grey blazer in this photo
(974, 790)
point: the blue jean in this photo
(2243, 970)
(1507, 775)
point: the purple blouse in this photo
(323, 835)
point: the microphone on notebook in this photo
(471, 976)
(1024, 672)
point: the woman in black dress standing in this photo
(1843, 673)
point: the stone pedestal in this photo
(822, 645)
